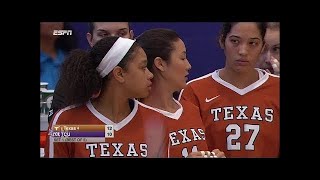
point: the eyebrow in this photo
(102, 30)
(268, 45)
(122, 29)
(240, 37)
(144, 62)
(108, 30)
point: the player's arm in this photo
(56, 149)
(189, 95)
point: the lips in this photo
(186, 76)
(242, 62)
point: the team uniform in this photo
(239, 122)
(184, 129)
(130, 138)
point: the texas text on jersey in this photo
(184, 128)
(240, 122)
(131, 139)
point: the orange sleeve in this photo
(56, 149)
(188, 95)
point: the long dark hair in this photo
(158, 43)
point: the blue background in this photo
(200, 39)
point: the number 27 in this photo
(247, 128)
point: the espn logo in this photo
(62, 32)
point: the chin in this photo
(144, 95)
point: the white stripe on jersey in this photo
(196, 79)
(51, 147)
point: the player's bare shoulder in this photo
(200, 81)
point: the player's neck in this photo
(239, 79)
(112, 105)
(161, 97)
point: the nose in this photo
(188, 65)
(149, 74)
(268, 56)
(243, 49)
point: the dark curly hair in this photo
(79, 70)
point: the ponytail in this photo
(80, 74)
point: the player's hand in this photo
(216, 153)
(275, 66)
(198, 154)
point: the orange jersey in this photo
(184, 129)
(239, 122)
(43, 136)
(130, 138)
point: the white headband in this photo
(114, 55)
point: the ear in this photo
(131, 34)
(89, 39)
(160, 64)
(118, 74)
(221, 43)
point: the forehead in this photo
(139, 56)
(246, 30)
(179, 45)
(111, 26)
(272, 36)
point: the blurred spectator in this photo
(270, 58)
(99, 30)
(96, 31)
(53, 49)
